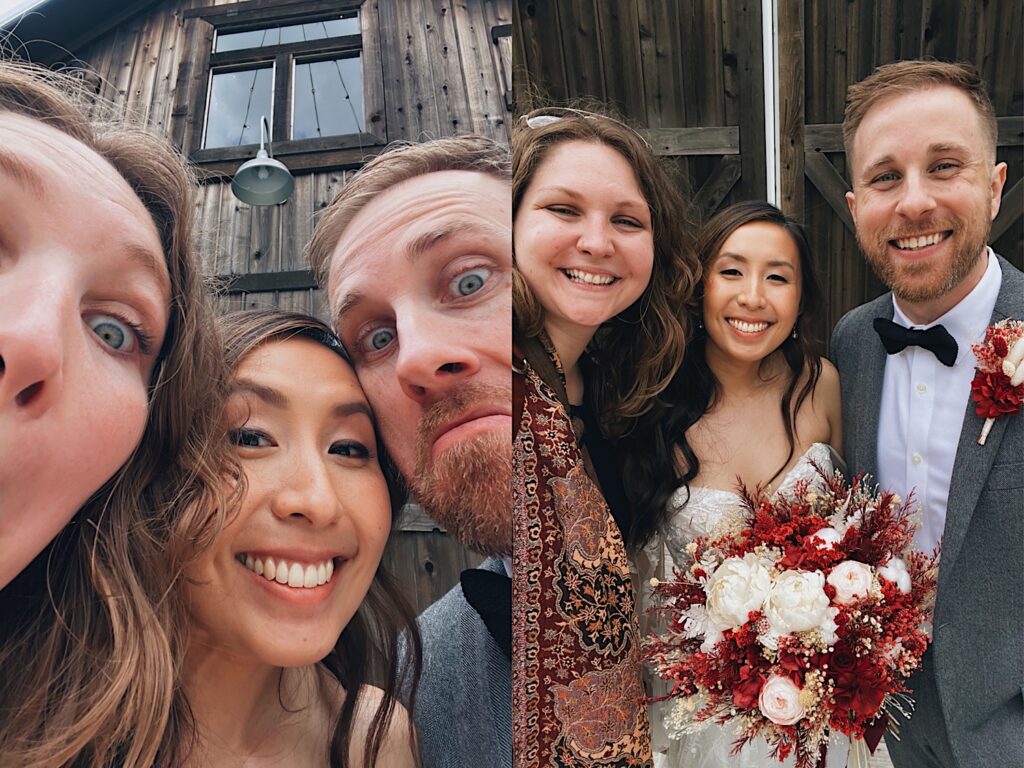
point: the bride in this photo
(753, 403)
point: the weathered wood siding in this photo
(442, 75)
(828, 46)
(690, 73)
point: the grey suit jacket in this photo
(978, 649)
(464, 702)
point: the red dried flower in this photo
(994, 396)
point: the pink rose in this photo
(780, 701)
(852, 581)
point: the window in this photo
(299, 63)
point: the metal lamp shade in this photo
(263, 181)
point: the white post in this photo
(770, 51)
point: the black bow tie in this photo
(895, 338)
(490, 595)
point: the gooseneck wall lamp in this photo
(263, 180)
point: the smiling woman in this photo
(289, 609)
(109, 373)
(602, 261)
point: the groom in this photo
(920, 141)
(416, 253)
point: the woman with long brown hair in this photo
(109, 374)
(603, 261)
(290, 614)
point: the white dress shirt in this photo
(924, 403)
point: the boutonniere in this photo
(998, 386)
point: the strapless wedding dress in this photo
(704, 511)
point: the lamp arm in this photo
(265, 135)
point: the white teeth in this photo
(913, 243)
(590, 279)
(748, 327)
(296, 575)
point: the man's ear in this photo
(998, 181)
(851, 203)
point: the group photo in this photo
(511, 383)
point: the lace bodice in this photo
(710, 508)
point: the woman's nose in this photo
(31, 350)
(752, 295)
(595, 238)
(305, 491)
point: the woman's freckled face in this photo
(316, 499)
(752, 293)
(583, 237)
(84, 304)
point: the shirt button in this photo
(922, 388)
(916, 458)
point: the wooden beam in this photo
(828, 137)
(717, 140)
(718, 185)
(830, 183)
(328, 45)
(259, 11)
(1009, 211)
(265, 282)
(791, 107)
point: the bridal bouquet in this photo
(805, 618)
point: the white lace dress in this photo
(711, 747)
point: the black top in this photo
(602, 456)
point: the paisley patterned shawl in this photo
(576, 686)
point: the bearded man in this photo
(921, 144)
(416, 255)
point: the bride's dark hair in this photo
(650, 462)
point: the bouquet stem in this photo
(985, 430)
(858, 754)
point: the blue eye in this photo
(469, 282)
(248, 438)
(116, 334)
(350, 449)
(381, 338)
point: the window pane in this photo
(328, 98)
(347, 24)
(237, 100)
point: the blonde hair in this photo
(639, 350)
(901, 77)
(92, 632)
(400, 162)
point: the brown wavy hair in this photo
(91, 630)
(637, 351)
(381, 644)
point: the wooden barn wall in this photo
(830, 45)
(691, 73)
(442, 76)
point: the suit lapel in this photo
(867, 392)
(973, 462)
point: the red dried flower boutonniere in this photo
(998, 386)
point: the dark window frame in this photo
(325, 153)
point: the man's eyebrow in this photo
(348, 301)
(423, 243)
(267, 394)
(16, 168)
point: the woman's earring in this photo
(794, 332)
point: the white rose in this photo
(896, 572)
(827, 628)
(780, 701)
(737, 587)
(852, 581)
(797, 602)
(826, 538)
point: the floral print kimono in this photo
(577, 696)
